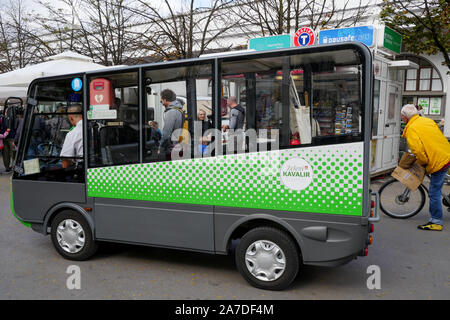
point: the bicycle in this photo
(405, 203)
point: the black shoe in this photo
(8, 170)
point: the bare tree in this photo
(272, 17)
(6, 59)
(183, 32)
(17, 42)
(58, 25)
(268, 17)
(100, 29)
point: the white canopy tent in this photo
(6, 92)
(15, 83)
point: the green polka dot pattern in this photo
(245, 180)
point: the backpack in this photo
(184, 137)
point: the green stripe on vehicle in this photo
(330, 180)
(14, 212)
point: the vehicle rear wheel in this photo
(72, 236)
(267, 258)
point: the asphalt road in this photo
(414, 264)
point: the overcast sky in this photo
(33, 5)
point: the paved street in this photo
(414, 265)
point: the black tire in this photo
(386, 193)
(90, 246)
(289, 251)
(445, 202)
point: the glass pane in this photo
(410, 85)
(376, 106)
(424, 103)
(435, 106)
(179, 113)
(424, 85)
(113, 127)
(47, 135)
(391, 110)
(425, 73)
(337, 101)
(436, 85)
(255, 101)
(411, 74)
(436, 74)
(278, 94)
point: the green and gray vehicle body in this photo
(318, 194)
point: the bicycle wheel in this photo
(398, 202)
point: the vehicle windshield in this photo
(54, 110)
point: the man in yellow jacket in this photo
(432, 150)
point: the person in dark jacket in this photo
(19, 129)
(9, 152)
(237, 114)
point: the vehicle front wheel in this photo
(72, 236)
(267, 258)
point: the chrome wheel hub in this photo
(70, 236)
(265, 260)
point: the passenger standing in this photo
(19, 129)
(9, 152)
(237, 114)
(4, 134)
(56, 126)
(173, 120)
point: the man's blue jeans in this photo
(435, 194)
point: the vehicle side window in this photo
(291, 101)
(113, 119)
(337, 102)
(271, 98)
(178, 120)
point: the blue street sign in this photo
(269, 43)
(361, 34)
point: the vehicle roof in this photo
(226, 56)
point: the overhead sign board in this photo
(269, 43)
(364, 34)
(304, 37)
(392, 40)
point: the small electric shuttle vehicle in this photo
(290, 187)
